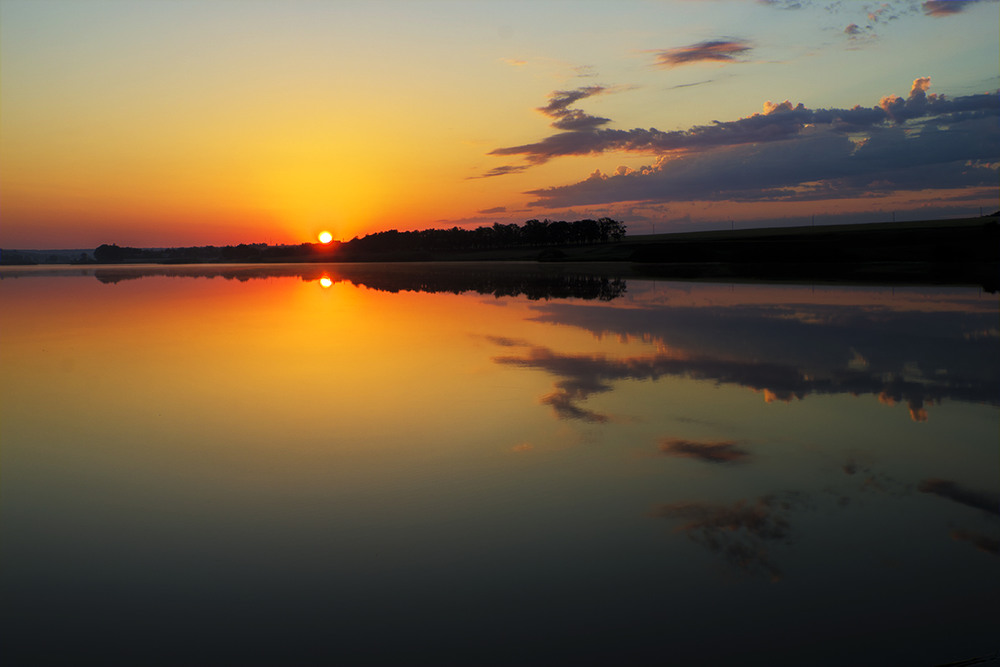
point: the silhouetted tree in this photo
(106, 253)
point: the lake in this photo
(478, 464)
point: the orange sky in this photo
(167, 124)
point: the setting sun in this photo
(325, 237)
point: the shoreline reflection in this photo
(500, 279)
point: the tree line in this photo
(533, 233)
(244, 252)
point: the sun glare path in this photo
(325, 237)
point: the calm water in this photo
(468, 465)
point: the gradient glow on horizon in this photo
(191, 123)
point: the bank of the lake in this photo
(962, 251)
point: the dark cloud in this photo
(785, 152)
(782, 4)
(709, 452)
(566, 143)
(690, 85)
(949, 490)
(777, 122)
(572, 119)
(919, 104)
(577, 126)
(560, 100)
(741, 532)
(504, 341)
(984, 543)
(576, 120)
(501, 171)
(940, 8)
(817, 165)
(885, 12)
(719, 50)
(495, 209)
(853, 30)
(765, 127)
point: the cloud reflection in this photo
(742, 532)
(949, 490)
(790, 351)
(984, 543)
(581, 376)
(585, 375)
(709, 452)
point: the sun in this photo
(325, 237)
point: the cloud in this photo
(709, 452)
(500, 171)
(776, 123)
(577, 126)
(782, 4)
(560, 100)
(884, 13)
(740, 532)
(572, 119)
(941, 8)
(955, 492)
(817, 166)
(764, 127)
(794, 153)
(495, 209)
(720, 50)
(504, 341)
(690, 85)
(868, 19)
(917, 104)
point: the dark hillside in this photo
(964, 251)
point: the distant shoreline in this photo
(957, 251)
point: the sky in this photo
(213, 122)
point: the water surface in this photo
(493, 465)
